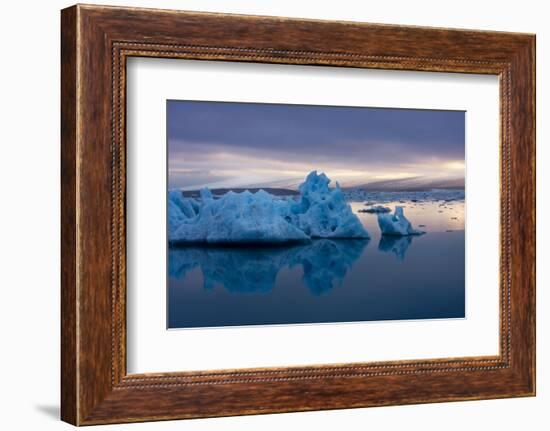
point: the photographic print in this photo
(283, 214)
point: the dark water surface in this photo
(384, 278)
(327, 281)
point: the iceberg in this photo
(377, 209)
(323, 212)
(396, 224)
(180, 210)
(236, 218)
(245, 218)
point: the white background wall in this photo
(29, 215)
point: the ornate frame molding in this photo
(96, 41)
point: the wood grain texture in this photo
(69, 366)
(96, 41)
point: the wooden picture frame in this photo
(95, 43)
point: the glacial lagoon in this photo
(328, 280)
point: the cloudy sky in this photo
(218, 144)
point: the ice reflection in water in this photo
(396, 245)
(254, 269)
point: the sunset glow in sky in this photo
(219, 144)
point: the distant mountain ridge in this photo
(221, 191)
(417, 183)
(410, 184)
(290, 187)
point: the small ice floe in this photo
(396, 224)
(377, 209)
(382, 197)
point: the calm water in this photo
(382, 278)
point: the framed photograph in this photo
(265, 215)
